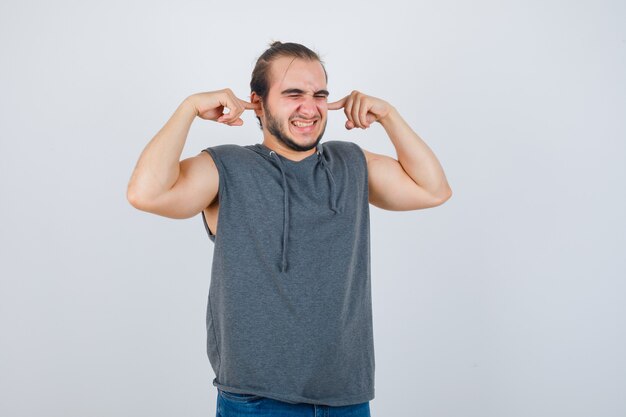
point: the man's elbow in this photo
(134, 199)
(444, 196)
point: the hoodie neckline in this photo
(311, 157)
(281, 161)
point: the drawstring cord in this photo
(333, 196)
(286, 208)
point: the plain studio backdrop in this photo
(507, 301)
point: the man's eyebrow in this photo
(298, 91)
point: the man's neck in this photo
(283, 150)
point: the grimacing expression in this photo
(275, 127)
(296, 105)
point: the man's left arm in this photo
(416, 179)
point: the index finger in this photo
(336, 105)
(247, 105)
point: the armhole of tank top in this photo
(366, 174)
(220, 193)
(206, 226)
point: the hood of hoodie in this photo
(279, 162)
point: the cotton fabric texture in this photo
(289, 312)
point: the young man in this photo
(289, 317)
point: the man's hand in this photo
(211, 105)
(361, 110)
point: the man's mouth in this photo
(303, 126)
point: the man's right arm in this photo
(164, 185)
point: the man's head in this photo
(289, 80)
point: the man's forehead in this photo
(292, 72)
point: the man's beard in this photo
(273, 126)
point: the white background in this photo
(506, 301)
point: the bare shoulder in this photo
(391, 188)
(196, 188)
(201, 173)
(204, 158)
(199, 165)
(371, 156)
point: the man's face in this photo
(295, 109)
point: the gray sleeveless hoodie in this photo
(289, 312)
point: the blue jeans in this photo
(230, 404)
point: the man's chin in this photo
(296, 141)
(301, 144)
(306, 142)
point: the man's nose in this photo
(308, 106)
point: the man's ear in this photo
(256, 100)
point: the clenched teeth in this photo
(302, 124)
